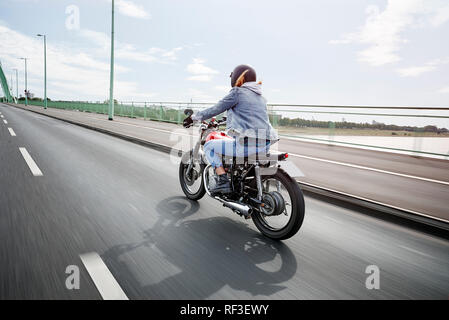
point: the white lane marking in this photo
(314, 158)
(1, 116)
(6, 122)
(300, 156)
(138, 126)
(135, 209)
(11, 131)
(150, 128)
(104, 280)
(416, 251)
(370, 169)
(30, 162)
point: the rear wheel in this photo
(284, 223)
(191, 182)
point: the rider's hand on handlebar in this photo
(187, 122)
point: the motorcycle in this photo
(261, 189)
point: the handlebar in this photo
(211, 124)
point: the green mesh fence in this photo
(142, 110)
(172, 112)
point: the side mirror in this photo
(188, 112)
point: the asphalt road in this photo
(401, 181)
(123, 201)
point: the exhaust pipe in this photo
(242, 208)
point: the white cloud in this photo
(223, 88)
(200, 71)
(72, 73)
(198, 67)
(383, 31)
(440, 17)
(100, 39)
(414, 71)
(130, 9)
(129, 51)
(444, 90)
(199, 96)
(418, 70)
(171, 54)
(200, 78)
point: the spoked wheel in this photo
(283, 211)
(191, 182)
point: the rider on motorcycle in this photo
(247, 122)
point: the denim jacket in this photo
(246, 113)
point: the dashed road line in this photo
(30, 162)
(11, 131)
(105, 282)
(6, 122)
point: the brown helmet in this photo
(248, 73)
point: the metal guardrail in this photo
(326, 130)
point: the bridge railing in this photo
(410, 130)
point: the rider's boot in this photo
(222, 185)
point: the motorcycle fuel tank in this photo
(217, 135)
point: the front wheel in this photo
(285, 224)
(191, 183)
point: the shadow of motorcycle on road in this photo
(212, 253)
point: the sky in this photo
(348, 52)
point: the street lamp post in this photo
(11, 87)
(45, 69)
(111, 84)
(17, 84)
(26, 85)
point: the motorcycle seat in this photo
(263, 159)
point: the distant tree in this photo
(107, 101)
(299, 123)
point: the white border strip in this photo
(30, 162)
(104, 280)
(372, 201)
(316, 159)
(370, 169)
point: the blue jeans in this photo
(214, 149)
